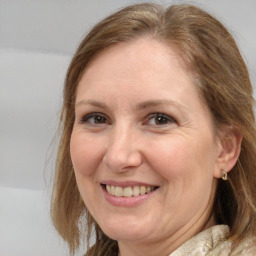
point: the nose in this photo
(122, 152)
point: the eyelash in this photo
(167, 119)
(86, 118)
(101, 117)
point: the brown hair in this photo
(211, 55)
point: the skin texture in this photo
(126, 85)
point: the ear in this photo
(229, 141)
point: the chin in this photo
(125, 230)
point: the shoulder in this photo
(247, 247)
(214, 242)
(210, 242)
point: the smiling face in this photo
(143, 145)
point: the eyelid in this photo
(161, 114)
(169, 118)
(86, 117)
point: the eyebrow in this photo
(155, 103)
(92, 103)
(140, 106)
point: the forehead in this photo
(145, 58)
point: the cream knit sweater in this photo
(213, 242)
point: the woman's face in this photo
(143, 144)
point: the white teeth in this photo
(119, 191)
(148, 189)
(142, 190)
(128, 191)
(136, 190)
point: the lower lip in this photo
(126, 201)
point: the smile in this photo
(128, 191)
(127, 194)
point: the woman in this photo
(157, 153)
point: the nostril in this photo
(123, 160)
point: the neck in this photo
(161, 247)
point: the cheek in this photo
(85, 162)
(186, 166)
(85, 153)
(182, 158)
(170, 158)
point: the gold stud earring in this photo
(224, 175)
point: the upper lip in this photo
(124, 184)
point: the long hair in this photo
(212, 57)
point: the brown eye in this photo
(99, 120)
(159, 119)
(94, 119)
